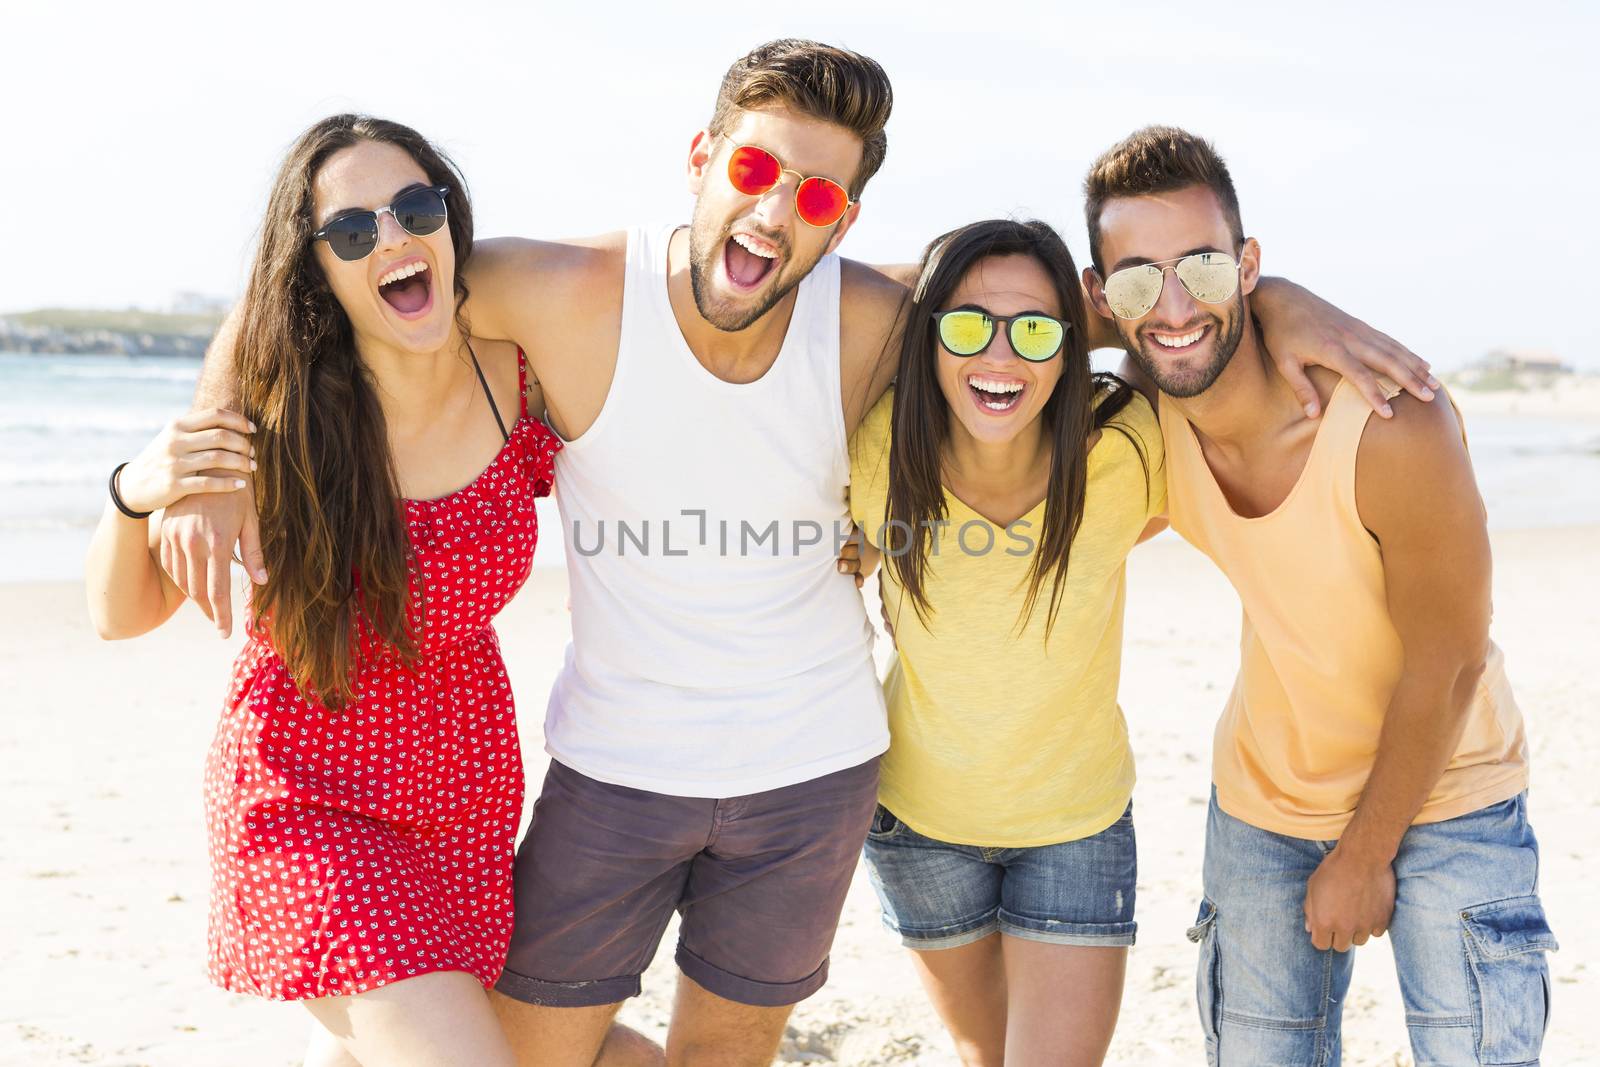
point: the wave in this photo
(186, 375)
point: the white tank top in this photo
(716, 651)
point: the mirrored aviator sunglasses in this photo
(419, 212)
(1210, 277)
(1033, 335)
(753, 171)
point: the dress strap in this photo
(498, 421)
(522, 382)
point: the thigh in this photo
(325, 1050)
(1267, 996)
(597, 878)
(434, 1020)
(935, 895)
(1470, 938)
(542, 1036)
(1075, 892)
(763, 898)
(967, 986)
(1061, 1001)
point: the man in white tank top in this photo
(716, 727)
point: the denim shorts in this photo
(939, 895)
(1469, 936)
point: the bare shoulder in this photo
(572, 264)
(870, 306)
(868, 290)
(1418, 435)
(1414, 467)
(547, 296)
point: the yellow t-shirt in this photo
(998, 739)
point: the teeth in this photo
(749, 246)
(401, 274)
(990, 386)
(1179, 342)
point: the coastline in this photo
(105, 876)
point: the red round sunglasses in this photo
(818, 201)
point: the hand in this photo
(1348, 899)
(858, 557)
(198, 533)
(1300, 328)
(193, 453)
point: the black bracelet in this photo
(116, 497)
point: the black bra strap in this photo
(498, 421)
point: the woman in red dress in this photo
(365, 783)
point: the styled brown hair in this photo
(337, 554)
(920, 426)
(1157, 159)
(832, 84)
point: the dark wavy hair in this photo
(337, 554)
(1081, 403)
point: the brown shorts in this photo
(759, 879)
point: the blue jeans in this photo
(940, 895)
(1468, 932)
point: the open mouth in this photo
(996, 395)
(748, 261)
(1179, 343)
(407, 289)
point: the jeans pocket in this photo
(884, 824)
(1208, 975)
(1509, 979)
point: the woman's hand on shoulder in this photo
(200, 452)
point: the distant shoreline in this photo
(73, 332)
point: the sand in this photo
(102, 848)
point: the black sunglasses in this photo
(419, 212)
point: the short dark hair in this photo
(1157, 159)
(832, 84)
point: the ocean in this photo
(66, 421)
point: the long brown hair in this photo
(338, 586)
(1081, 402)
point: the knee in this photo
(626, 1047)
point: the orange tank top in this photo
(1319, 655)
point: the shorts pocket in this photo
(1208, 974)
(884, 824)
(1509, 978)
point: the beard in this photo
(1185, 381)
(706, 241)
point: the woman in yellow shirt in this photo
(1004, 485)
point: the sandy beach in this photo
(103, 874)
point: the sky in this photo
(1429, 167)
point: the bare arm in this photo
(1300, 329)
(872, 306)
(197, 533)
(1416, 493)
(205, 453)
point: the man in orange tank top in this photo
(1370, 767)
